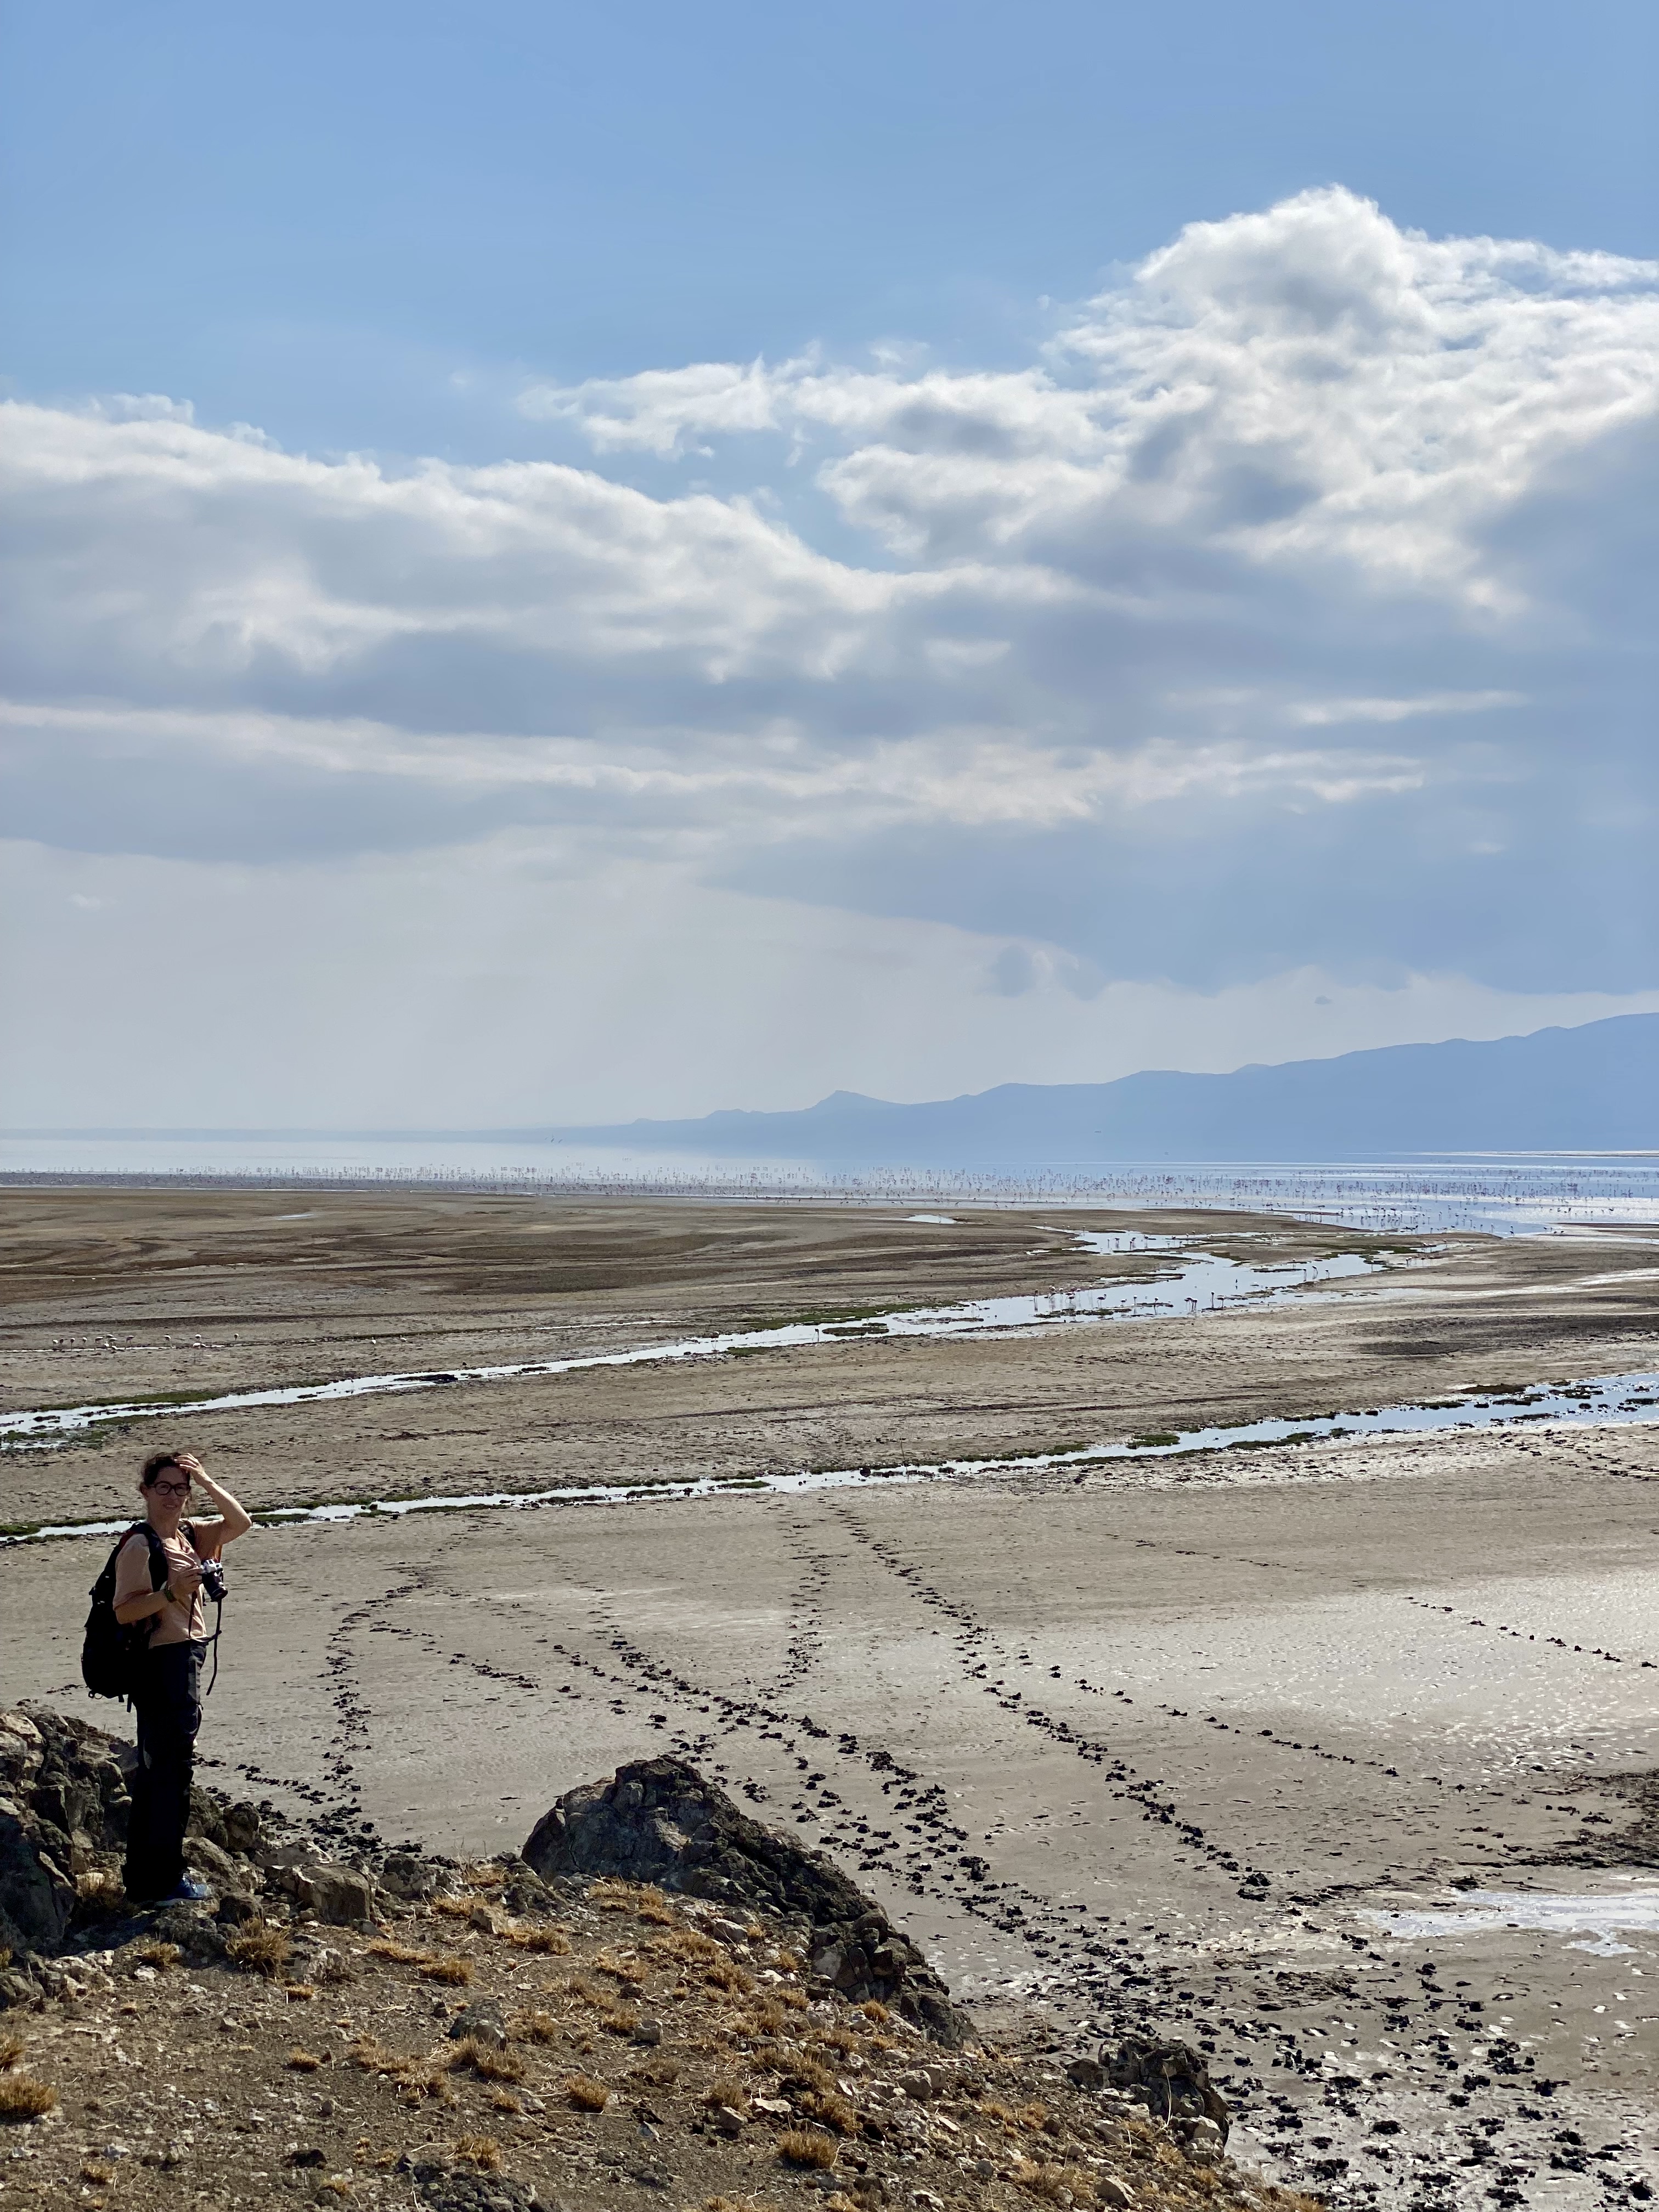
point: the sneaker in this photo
(187, 1891)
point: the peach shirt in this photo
(174, 1624)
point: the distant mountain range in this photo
(1591, 1089)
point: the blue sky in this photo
(900, 547)
(315, 217)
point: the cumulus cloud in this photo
(1301, 384)
(1278, 611)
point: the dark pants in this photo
(168, 1699)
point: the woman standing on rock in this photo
(167, 1693)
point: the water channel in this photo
(1608, 1400)
(1195, 1282)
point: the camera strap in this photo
(218, 1631)
(218, 1614)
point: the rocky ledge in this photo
(657, 1995)
(65, 1801)
(659, 1821)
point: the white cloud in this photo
(780, 788)
(1279, 615)
(1304, 383)
(1321, 713)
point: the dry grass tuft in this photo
(11, 2050)
(686, 1943)
(873, 2008)
(99, 2176)
(480, 2150)
(838, 2038)
(535, 2028)
(419, 2088)
(101, 1893)
(303, 2062)
(457, 1972)
(808, 2071)
(831, 2109)
(457, 1908)
(259, 1950)
(503, 2100)
(768, 2017)
(620, 2022)
(586, 2094)
(488, 2064)
(807, 2147)
(735, 2204)
(162, 1955)
(374, 2057)
(552, 1940)
(727, 2089)
(337, 2184)
(402, 1955)
(641, 1899)
(22, 2098)
(1055, 2184)
(484, 1877)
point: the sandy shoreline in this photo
(1353, 1676)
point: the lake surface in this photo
(1506, 1195)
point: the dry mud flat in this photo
(1155, 1743)
(115, 1296)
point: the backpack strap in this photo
(158, 1557)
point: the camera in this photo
(213, 1581)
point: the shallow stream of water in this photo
(1197, 1282)
(1609, 1401)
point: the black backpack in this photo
(109, 1652)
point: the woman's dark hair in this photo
(157, 1463)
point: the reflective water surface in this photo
(1599, 1916)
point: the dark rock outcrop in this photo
(659, 1821)
(1170, 2079)
(65, 1803)
(452, 2189)
(338, 1896)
